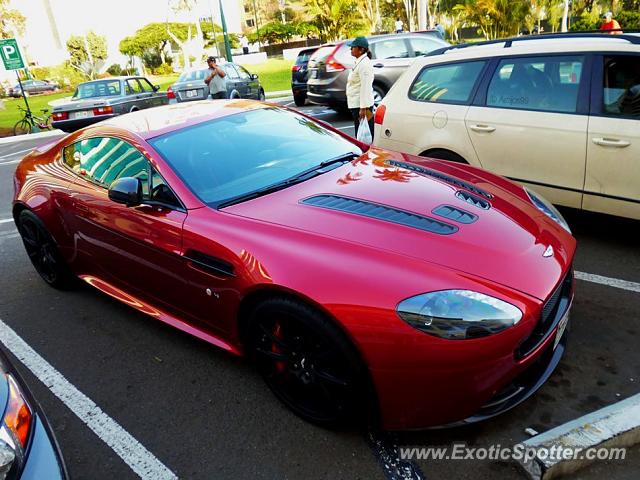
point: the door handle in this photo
(482, 128)
(378, 65)
(611, 142)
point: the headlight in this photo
(458, 314)
(546, 207)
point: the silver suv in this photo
(329, 66)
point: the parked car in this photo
(300, 75)
(28, 449)
(560, 113)
(33, 87)
(357, 279)
(240, 84)
(100, 99)
(329, 66)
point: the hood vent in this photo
(441, 176)
(455, 214)
(380, 212)
(473, 200)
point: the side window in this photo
(548, 84)
(395, 48)
(422, 46)
(231, 72)
(451, 83)
(160, 191)
(133, 86)
(146, 85)
(103, 160)
(244, 75)
(621, 86)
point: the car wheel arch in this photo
(444, 154)
(255, 297)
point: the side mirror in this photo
(156, 88)
(254, 76)
(126, 190)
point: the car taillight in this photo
(170, 93)
(102, 110)
(60, 115)
(333, 66)
(380, 111)
(295, 68)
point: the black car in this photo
(300, 75)
(240, 84)
(28, 449)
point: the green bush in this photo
(115, 70)
(628, 19)
(164, 69)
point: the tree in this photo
(336, 19)
(12, 22)
(87, 53)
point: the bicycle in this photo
(29, 121)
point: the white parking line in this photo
(610, 282)
(6, 220)
(345, 128)
(132, 452)
(11, 162)
(13, 154)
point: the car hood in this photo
(387, 200)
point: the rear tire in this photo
(262, 97)
(307, 362)
(43, 252)
(378, 94)
(23, 127)
(300, 100)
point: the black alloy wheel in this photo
(307, 362)
(43, 252)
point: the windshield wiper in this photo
(297, 178)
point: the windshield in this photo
(242, 153)
(193, 75)
(105, 88)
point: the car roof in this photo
(110, 79)
(537, 44)
(157, 121)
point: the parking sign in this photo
(11, 54)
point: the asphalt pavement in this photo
(207, 415)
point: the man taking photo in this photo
(215, 79)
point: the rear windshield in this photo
(193, 75)
(106, 88)
(322, 53)
(303, 57)
(238, 154)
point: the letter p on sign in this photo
(11, 54)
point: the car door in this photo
(136, 249)
(531, 125)
(155, 98)
(253, 85)
(612, 183)
(391, 57)
(139, 98)
(234, 84)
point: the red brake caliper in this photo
(280, 365)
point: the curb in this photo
(279, 93)
(617, 425)
(31, 136)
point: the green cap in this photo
(359, 42)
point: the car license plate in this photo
(191, 93)
(314, 73)
(561, 328)
(81, 114)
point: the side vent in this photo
(380, 212)
(209, 264)
(473, 200)
(455, 214)
(441, 176)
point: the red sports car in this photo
(362, 282)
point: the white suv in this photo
(559, 113)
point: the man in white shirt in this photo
(399, 26)
(360, 84)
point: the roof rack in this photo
(634, 39)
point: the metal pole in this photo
(24, 94)
(227, 45)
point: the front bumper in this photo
(437, 383)
(77, 123)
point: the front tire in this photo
(43, 251)
(262, 97)
(300, 100)
(306, 361)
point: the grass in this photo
(275, 75)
